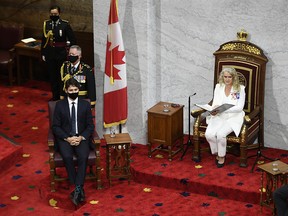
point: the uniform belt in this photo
(58, 44)
(81, 93)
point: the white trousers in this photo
(216, 133)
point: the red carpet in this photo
(159, 188)
(230, 182)
(9, 154)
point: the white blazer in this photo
(234, 116)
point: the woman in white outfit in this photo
(228, 90)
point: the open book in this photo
(210, 109)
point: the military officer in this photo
(81, 72)
(57, 37)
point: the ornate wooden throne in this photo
(250, 63)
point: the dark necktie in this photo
(73, 120)
(73, 70)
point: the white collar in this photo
(76, 65)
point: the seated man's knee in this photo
(83, 156)
(67, 157)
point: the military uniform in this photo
(84, 75)
(54, 48)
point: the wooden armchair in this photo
(250, 63)
(56, 161)
(11, 33)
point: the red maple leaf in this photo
(113, 57)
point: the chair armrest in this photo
(51, 149)
(96, 137)
(50, 138)
(198, 112)
(248, 118)
(12, 54)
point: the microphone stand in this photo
(189, 142)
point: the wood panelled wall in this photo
(32, 13)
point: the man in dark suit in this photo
(57, 37)
(280, 197)
(80, 71)
(73, 127)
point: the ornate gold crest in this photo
(242, 35)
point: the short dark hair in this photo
(72, 82)
(55, 7)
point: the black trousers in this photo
(53, 67)
(67, 151)
(280, 197)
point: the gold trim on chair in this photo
(249, 61)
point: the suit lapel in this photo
(67, 110)
(78, 109)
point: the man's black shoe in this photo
(82, 193)
(75, 197)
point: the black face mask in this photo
(72, 59)
(54, 18)
(73, 96)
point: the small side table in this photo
(165, 127)
(274, 179)
(22, 49)
(118, 165)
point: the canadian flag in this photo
(115, 80)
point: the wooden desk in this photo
(22, 49)
(274, 179)
(165, 128)
(118, 166)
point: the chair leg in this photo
(52, 180)
(10, 73)
(196, 150)
(52, 184)
(98, 169)
(243, 155)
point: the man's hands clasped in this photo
(74, 140)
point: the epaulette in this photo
(65, 20)
(87, 66)
(66, 62)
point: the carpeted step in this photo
(141, 199)
(204, 178)
(10, 153)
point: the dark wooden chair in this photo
(56, 160)
(250, 63)
(11, 33)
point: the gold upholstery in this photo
(250, 63)
(11, 33)
(56, 161)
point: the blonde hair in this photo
(235, 78)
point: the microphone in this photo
(192, 94)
